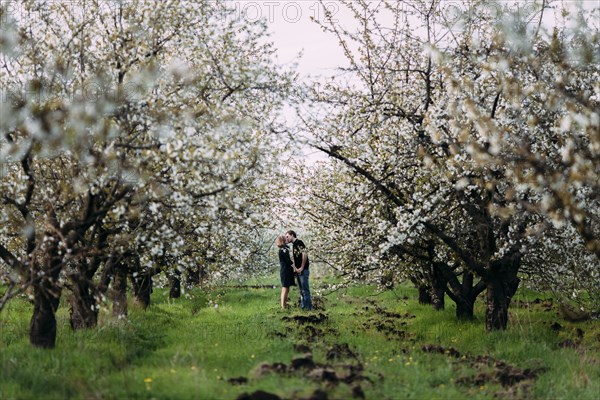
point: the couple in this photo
(296, 266)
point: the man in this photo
(300, 265)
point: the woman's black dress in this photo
(285, 263)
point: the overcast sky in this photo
(293, 31)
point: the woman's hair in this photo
(280, 241)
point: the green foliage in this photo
(188, 349)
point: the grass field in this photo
(360, 343)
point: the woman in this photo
(286, 271)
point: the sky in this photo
(293, 31)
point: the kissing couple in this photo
(293, 266)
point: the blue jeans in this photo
(305, 301)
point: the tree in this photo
(394, 120)
(545, 123)
(130, 126)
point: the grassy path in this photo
(359, 344)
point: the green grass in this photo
(188, 349)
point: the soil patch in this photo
(384, 321)
(318, 303)
(258, 395)
(544, 305)
(302, 348)
(340, 351)
(433, 348)
(489, 370)
(238, 381)
(329, 374)
(307, 319)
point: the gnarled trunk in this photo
(438, 288)
(175, 291)
(107, 275)
(142, 289)
(119, 291)
(42, 329)
(464, 308)
(466, 295)
(84, 310)
(46, 296)
(84, 302)
(424, 294)
(502, 284)
(462, 293)
(193, 276)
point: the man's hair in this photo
(292, 233)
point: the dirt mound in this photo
(318, 394)
(265, 368)
(318, 303)
(544, 305)
(303, 362)
(309, 327)
(433, 348)
(330, 374)
(498, 372)
(307, 319)
(489, 370)
(302, 348)
(258, 395)
(340, 351)
(238, 381)
(387, 322)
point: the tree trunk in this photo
(193, 276)
(501, 286)
(175, 291)
(464, 294)
(42, 329)
(107, 275)
(142, 289)
(496, 313)
(119, 292)
(424, 294)
(84, 310)
(438, 288)
(437, 297)
(464, 308)
(467, 295)
(46, 296)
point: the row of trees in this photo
(464, 156)
(134, 139)
(140, 138)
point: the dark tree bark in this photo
(142, 289)
(175, 291)
(46, 296)
(42, 330)
(84, 310)
(502, 284)
(464, 308)
(84, 302)
(424, 294)
(193, 276)
(119, 291)
(106, 275)
(438, 288)
(463, 294)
